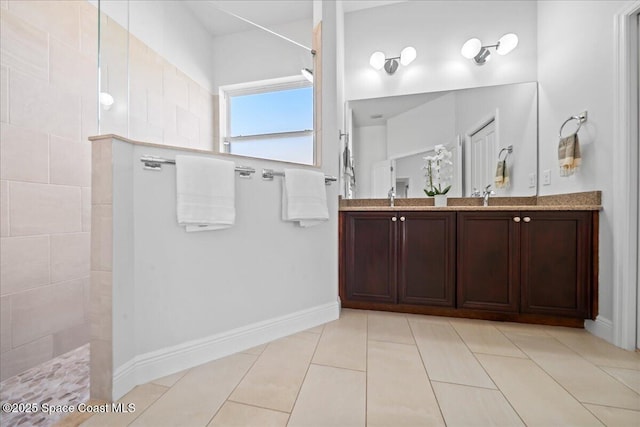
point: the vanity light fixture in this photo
(378, 60)
(308, 74)
(474, 50)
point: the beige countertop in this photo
(586, 201)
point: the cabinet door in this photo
(555, 263)
(370, 256)
(426, 258)
(488, 261)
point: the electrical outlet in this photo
(532, 180)
(546, 177)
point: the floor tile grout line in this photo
(426, 371)
(601, 366)
(501, 355)
(256, 406)
(466, 385)
(337, 367)
(596, 416)
(148, 406)
(578, 355)
(474, 355)
(238, 383)
(611, 407)
(617, 379)
(552, 377)
(499, 332)
(315, 349)
(489, 375)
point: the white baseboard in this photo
(150, 366)
(601, 327)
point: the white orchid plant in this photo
(439, 171)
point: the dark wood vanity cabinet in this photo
(488, 261)
(370, 252)
(398, 257)
(556, 263)
(537, 263)
(530, 266)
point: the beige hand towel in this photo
(569, 155)
(502, 174)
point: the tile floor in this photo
(62, 380)
(387, 369)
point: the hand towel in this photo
(502, 174)
(205, 193)
(304, 197)
(569, 154)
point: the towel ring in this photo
(580, 118)
(508, 149)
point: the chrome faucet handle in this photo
(476, 193)
(392, 197)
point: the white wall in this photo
(370, 142)
(422, 127)
(180, 298)
(572, 80)
(437, 29)
(516, 125)
(411, 167)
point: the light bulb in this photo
(377, 60)
(106, 100)
(507, 43)
(471, 48)
(407, 55)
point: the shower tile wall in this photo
(47, 76)
(48, 109)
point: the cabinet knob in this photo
(526, 219)
(516, 219)
(402, 218)
(394, 219)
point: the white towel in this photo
(304, 197)
(205, 193)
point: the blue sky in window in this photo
(292, 149)
(271, 112)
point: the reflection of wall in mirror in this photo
(445, 118)
(369, 147)
(516, 124)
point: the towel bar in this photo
(155, 164)
(268, 174)
(581, 118)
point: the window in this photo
(270, 120)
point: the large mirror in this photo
(391, 136)
(222, 76)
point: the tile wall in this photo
(47, 103)
(48, 109)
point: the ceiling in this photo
(365, 111)
(268, 13)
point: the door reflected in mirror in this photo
(391, 136)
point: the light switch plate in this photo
(532, 180)
(546, 177)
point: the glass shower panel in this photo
(113, 67)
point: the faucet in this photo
(486, 193)
(392, 197)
